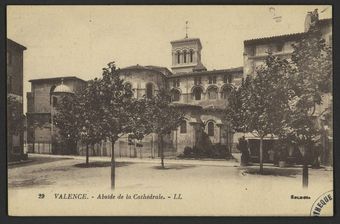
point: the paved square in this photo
(216, 187)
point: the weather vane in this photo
(275, 17)
(186, 29)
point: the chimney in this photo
(308, 21)
(311, 19)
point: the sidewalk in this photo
(19, 162)
(204, 162)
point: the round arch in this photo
(197, 92)
(197, 86)
(150, 89)
(209, 120)
(178, 54)
(175, 94)
(128, 83)
(211, 127)
(225, 90)
(228, 86)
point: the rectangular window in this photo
(212, 80)
(175, 83)
(197, 80)
(279, 47)
(230, 79)
(252, 51)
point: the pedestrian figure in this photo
(243, 147)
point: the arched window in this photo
(185, 56)
(183, 127)
(55, 101)
(149, 90)
(175, 95)
(197, 92)
(128, 85)
(212, 93)
(211, 131)
(191, 55)
(225, 92)
(178, 57)
(51, 91)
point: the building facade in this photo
(15, 64)
(256, 50)
(202, 94)
(41, 106)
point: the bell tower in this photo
(186, 54)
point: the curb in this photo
(226, 163)
(19, 162)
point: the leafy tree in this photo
(121, 113)
(66, 121)
(262, 101)
(312, 58)
(164, 117)
(105, 109)
(236, 112)
(312, 78)
(78, 115)
(15, 118)
(88, 113)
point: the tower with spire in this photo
(186, 54)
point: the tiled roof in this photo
(285, 37)
(230, 70)
(56, 78)
(159, 68)
(149, 67)
(185, 40)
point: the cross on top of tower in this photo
(186, 29)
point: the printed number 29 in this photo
(41, 196)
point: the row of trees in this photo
(281, 98)
(107, 110)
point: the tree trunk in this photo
(305, 171)
(87, 154)
(162, 151)
(113, 165)
(305, 174)
(304, 153)
(134, 150)
(261, 155)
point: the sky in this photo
(81, 40)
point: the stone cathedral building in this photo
(200, 93)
